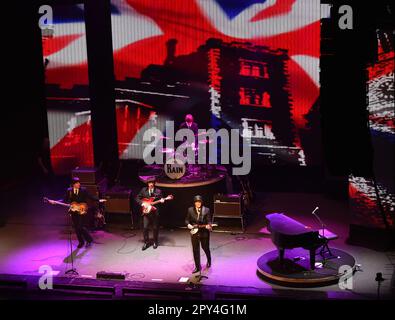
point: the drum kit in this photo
(172, 153)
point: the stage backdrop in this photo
(251, 65)
(67, 94)
(363, 196)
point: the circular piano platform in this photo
(295, 270)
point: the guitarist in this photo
(199, 215)
(78, 194)
(150, 191)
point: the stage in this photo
(36, 235)
(198, 179)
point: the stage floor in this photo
(39, 237)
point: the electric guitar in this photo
(196, 227)
(80, 208)
(148, 204)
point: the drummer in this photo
(190, 124)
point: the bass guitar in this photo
(79, 208)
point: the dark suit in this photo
(194, 127)
(77, 219)
(152, 217)
(201, 237)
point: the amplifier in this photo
(118, 200)
(230, 197)
(92, 189)
(228, 205)
(87, 175)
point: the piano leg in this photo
(312, 259)
(281, 255)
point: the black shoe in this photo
(196, 270)
(155, 245)
(80, 245)
(88, 244)
(208, 265)
(145, 246)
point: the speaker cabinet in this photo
(228, 209)
(118, 200)
(92, 189)
(229, 205)
(87, 175)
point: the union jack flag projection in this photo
(363, 194)
(149, 33)
(66, 74)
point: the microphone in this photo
(319, 220)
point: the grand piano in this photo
(287, 233)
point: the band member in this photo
(78, 194)
(199, 215)
(150, 191)
(189, 124)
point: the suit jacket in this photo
(145, 194)
(194, 127)
(192, 216)
(82, 196)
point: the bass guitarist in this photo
(77, 194)
(150, 191)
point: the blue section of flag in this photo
(68, 13)
(114, 9)
(233, 7)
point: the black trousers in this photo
(151, 219)
(201, 238)
(80, 228)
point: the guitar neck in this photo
(61, 203)
(157, 201)
(205, 225)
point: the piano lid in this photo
(280, 223)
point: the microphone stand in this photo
(325, 245)
(72, 271)
(321, 223)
